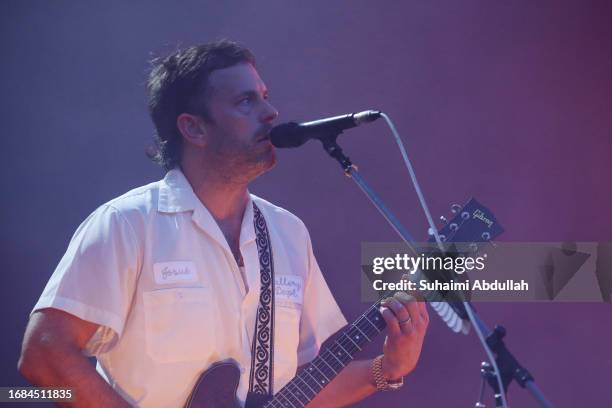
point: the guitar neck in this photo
(331, 360)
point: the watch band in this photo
(382, 383)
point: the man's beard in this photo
(243, 162)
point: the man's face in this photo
(241, 117)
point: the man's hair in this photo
(178, 83)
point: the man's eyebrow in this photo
(251, 93)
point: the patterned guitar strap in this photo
(262, 349)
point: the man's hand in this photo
(407, 321)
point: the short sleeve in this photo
(321, 316)
(96, 277)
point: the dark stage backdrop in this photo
(506, 101)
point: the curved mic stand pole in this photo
(508, 365)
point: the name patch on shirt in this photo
(289, 288)
(172, 272)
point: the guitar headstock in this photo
(472, 223)
(470, 227)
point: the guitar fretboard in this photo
(330, 361)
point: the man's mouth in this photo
(264, 136)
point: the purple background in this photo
(505, 101)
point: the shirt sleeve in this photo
(321, 316)
(96, 277)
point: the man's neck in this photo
(226, 200)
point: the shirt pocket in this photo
(286, 341)
(179, 324)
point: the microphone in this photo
(294, 134)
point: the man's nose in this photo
(270, 113)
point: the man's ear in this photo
(192, 128)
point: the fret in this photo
(305, 399)
(332, 368)
(350, 356)
(314, 393)
(376, 319)
(372, 324)
(325, 369)
(352, 341)
(309, 370)
(336, 364)
(356, 336)
(284, 404)
(337, 359)
(295, 400)
(333, 363)
(322, 382)
(309, 381)
(301, 397)
(370, 331)
(361, 331)
(273, 403)
(323, 374)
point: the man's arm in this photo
(407, 322)
(52, 356)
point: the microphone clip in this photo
(331, 146)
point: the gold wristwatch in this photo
(382, 383)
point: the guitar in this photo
(217, 386)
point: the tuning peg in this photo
(486, 236)
(455, 208)
(443, 219)
(430, 232)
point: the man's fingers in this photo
(424, 312)
(411, 305)
(398, 308)
(420, 302)
(422, 308)
(392, 323)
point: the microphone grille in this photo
(286, 135)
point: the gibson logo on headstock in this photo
(479, 214)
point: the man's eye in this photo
(245, 101)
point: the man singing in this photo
(168, 279)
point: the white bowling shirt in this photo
(154, 270)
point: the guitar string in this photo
(342, 343)
(345, 345)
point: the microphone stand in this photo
(508, 365)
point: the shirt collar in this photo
(176, 195)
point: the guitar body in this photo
(216, 388)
